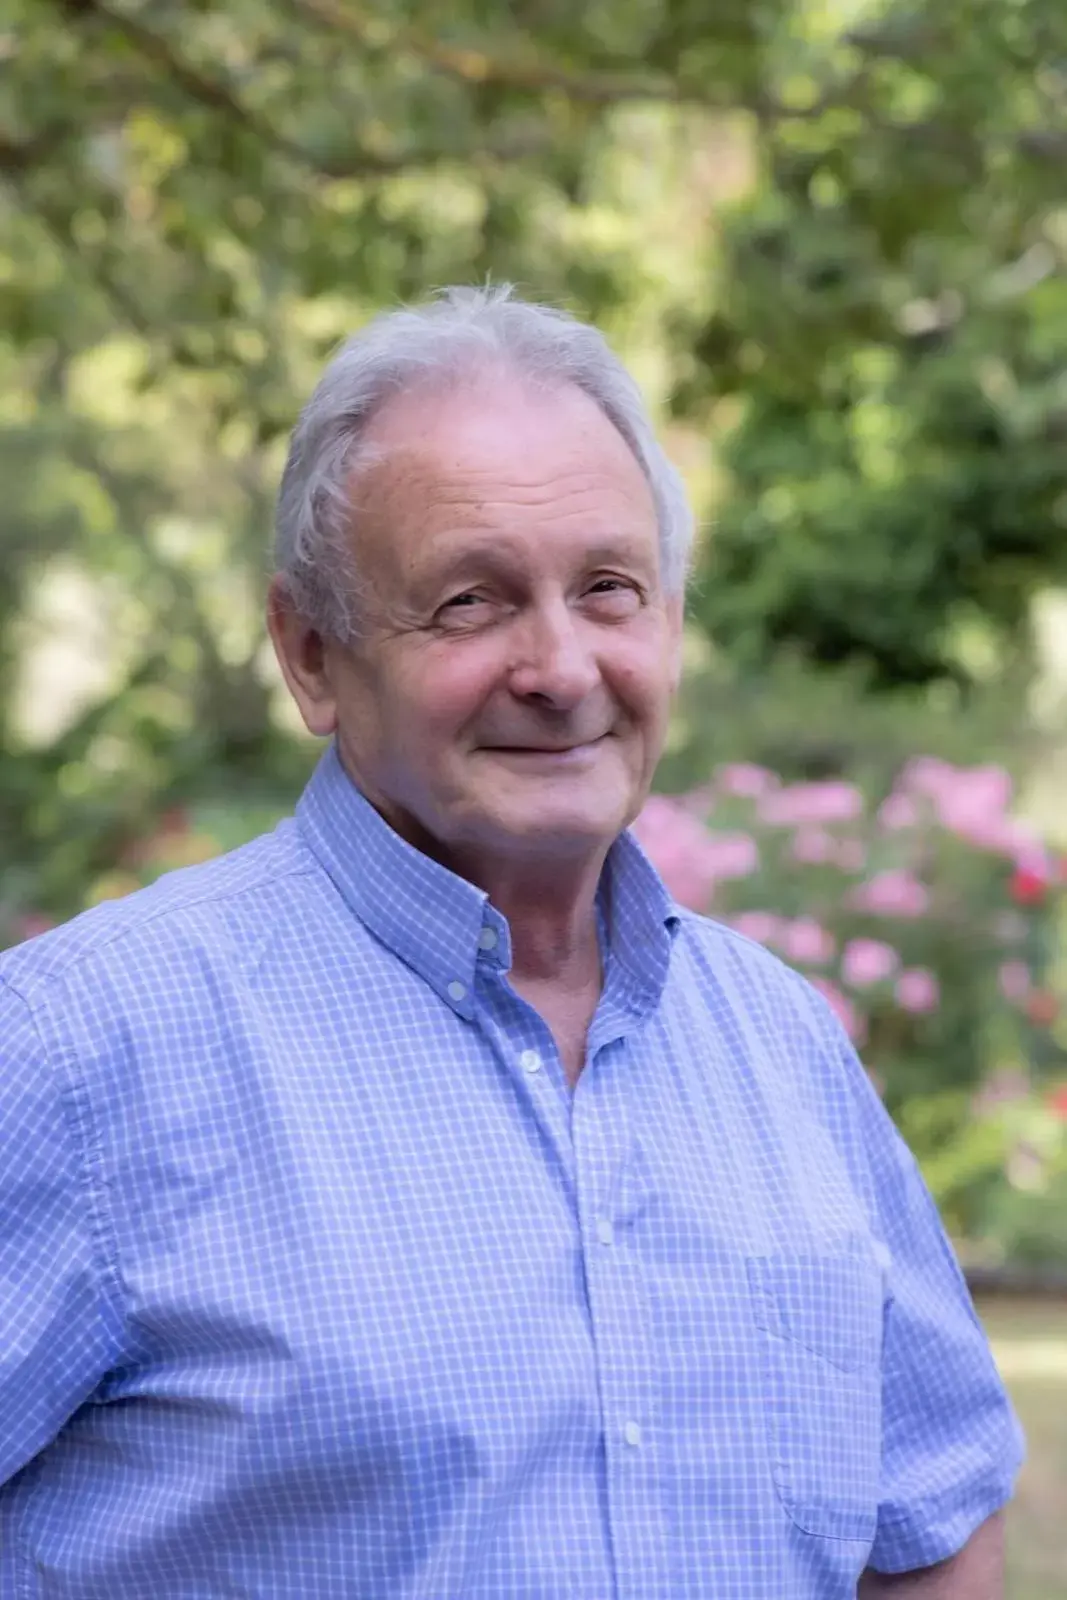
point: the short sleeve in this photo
(54, 1327)
(951, 1444)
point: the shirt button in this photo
(457, 990)
(487, 939)
(604, 1231)
(530, 1061)
(632, 1433)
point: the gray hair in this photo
(461, 329)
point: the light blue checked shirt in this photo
(317, 1282)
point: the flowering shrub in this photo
(928, 920)
(1023, 1219)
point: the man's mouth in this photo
(545, 749)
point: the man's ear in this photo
(302, 656)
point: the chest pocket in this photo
(819, 1322)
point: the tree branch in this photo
(19, 155)
(480, 67)
(537, 76)
(217, 95)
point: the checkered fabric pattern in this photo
(317, 1282)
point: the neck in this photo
(551, 915)
(550, 905)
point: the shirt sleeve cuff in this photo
(936, 1530)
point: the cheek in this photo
(641, 680)
(445, 689)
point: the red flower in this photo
(1027, 887)
(1042, 1008)
(1057, 1102)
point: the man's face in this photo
(510, 689)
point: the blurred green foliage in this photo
(891, 325)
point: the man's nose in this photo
(555, 661)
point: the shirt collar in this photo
(642, 921)
(440, 925)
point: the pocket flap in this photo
(830, 1304)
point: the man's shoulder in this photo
(767, 1002)
(183, 907)
(784, 1031)
(748, 971)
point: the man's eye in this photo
(460, 609)
(612, 587)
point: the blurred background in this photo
(830, 238)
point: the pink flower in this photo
(1015, 981)
(867, 961)
(898, 811)
(959, 792)
(893, 893)
(811, 845)
(927, 775)
(659, 820)
(807, 941)
(762, 926)
(678, 847)
(918, 991)
(850, 1019)
(1002, 836)
(973, 802)
(689, 859)
(814, 803)
(1031, 855)
(658, 814)
(744, 778)
(975, 792)
(699, 802)
(731, 855)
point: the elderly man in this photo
(417, 1202)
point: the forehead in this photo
(495, 455)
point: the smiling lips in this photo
(544, 749)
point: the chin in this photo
(547, 824)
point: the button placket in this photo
(619, 1312)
